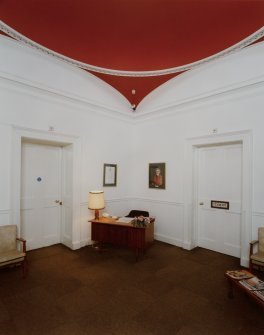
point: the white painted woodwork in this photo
(43, 72)
(5, 170)
(66, 194)
(40, 189)
(37, 92)
(225, 75)
(192, 146)
(219, 178)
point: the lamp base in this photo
(96, 214)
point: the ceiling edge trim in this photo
(18, 84)
(238, 46)
(245, 87)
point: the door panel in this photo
(219, 178)
(67, 190)
(40, 187)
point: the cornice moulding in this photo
(39, 90)
(42, 91)
(238, 46)
(185, 104)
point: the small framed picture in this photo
(157, 175)
(110, 173)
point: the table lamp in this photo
(96, 202)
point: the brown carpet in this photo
(169, 291)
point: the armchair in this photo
(257, 258)
(9, 253)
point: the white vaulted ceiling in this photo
(135, 46)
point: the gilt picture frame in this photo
(157, 175)
(110, 175)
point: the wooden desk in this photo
(106, 230)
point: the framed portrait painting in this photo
(157, 177)
(110, 173)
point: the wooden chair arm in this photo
(20, 239)
(252, 243)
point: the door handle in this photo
(58, 202)
(201, 203)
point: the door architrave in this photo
(191, 187)
(20, 134)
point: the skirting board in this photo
(169, 240)
(162, 238)
(244, 262)
(68, 243)
(158, 237)
(77, 245)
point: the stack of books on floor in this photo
(255, 285)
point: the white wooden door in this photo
(67, 190)
(40, 194)
(219, 178)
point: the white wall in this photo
(37, 92)
(5, 150)
(164, 141)
(240, 69)
(33, 68)
(226, 95)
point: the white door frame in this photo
(20, 134)
(190, 182)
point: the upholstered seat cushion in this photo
(12, 256)
(258, 257)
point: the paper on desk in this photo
(125, 220)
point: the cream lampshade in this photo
(96, 202)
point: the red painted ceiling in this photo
(135, 35)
